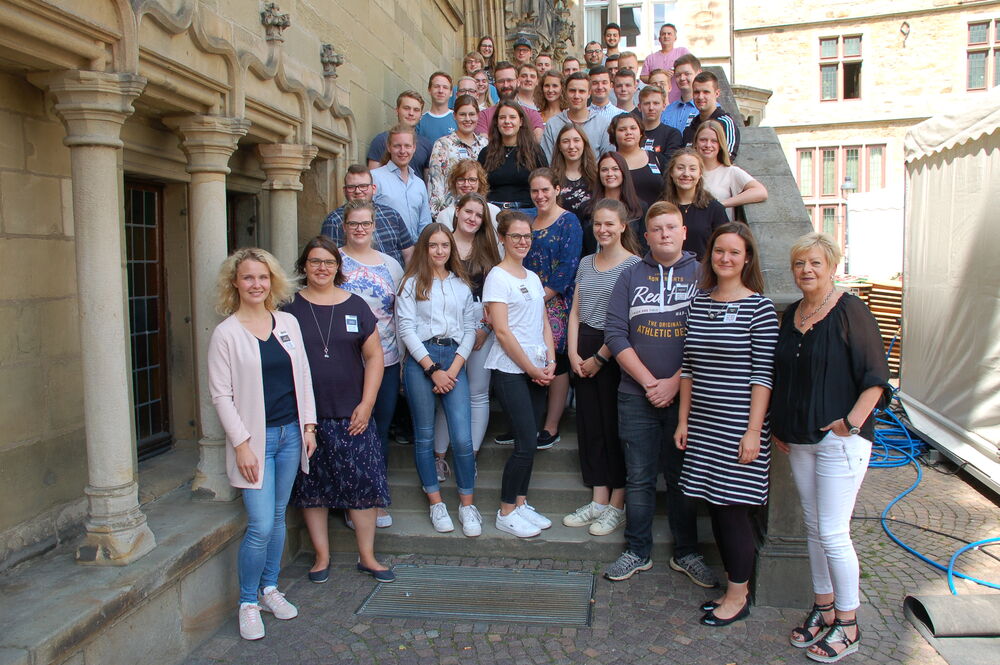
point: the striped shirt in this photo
(729, 349)
(594, 287)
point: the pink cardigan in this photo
(236, 383)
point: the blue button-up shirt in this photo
(408, 198)
(677, 114)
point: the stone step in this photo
(412, 533)
(564, 456)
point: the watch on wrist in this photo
(429, 372)
(851, 429)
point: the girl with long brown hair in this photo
(575, 167)
(435, 319)
(614, 181)
(510, 157)
(549, 95)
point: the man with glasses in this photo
(390, 237)
(593, 55)
(505, 78)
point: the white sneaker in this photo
(584, 515)
(251, 625)
(273, 601)
(383, 521)
(610, 521)
(471, 521)
(440, 518)
(442, 468)
(517, 525)
(534, 517)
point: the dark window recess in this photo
(147, 317)
(852, 80)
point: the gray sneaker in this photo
(627, 565)
(693, 565)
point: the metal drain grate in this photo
(484, 594)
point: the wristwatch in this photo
(851, 429)
(429, 372)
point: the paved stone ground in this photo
(652, 618)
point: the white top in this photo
(525, 300)
(447, 216)
(726, 181)
(447, 312)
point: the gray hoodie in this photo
(648, 313)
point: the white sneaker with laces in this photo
(251, 625)
(584, 515)
(440, 518)
(471, 520)
(610, 521)
(515, 524)
(533, 516)
(273, 601)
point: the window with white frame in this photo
(982, 58)
(840, 67)
(820, 172)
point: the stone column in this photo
(93, 106)
(284, 163)
(208, 142)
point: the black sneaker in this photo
(402, 437)
(505, 439)
(546, 440)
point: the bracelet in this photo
(599, 358)
(550, 362)
(310, 429)
(429, 372)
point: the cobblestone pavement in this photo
(653, 617)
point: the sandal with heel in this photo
(833, 636)
(813, 620)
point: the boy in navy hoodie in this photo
(645, 328)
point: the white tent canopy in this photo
(950, 365)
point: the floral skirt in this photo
(346, 471)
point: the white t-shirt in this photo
(726, 181)
(447, 216)
(525, 300)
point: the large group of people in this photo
(543, 228)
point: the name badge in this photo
(649, 144)
(525, 292)
(654, 168)
(463, 152)
(284, 338)
(351, 321)
(731, 311)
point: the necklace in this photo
(329, 329)
(803, 319)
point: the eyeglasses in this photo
(593, 51)
(326, 263)
(469, 181)
(357, 188)
(519, 237)
(360, 225)
(466, 91)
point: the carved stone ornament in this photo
(274, 22)
(331, 60)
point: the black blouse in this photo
(509, 181)
(700, 223)
(819, 375)
(648, 179)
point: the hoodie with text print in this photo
(648, 313)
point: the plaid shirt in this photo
(391, 236)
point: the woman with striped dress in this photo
(726, 379)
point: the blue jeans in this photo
(458, 412)
(647, 436)
(260, 552)
(385, 406)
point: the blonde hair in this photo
(228, 296)
(823, 241)
(720, 135)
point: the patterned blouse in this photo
(377, 285)
(554, 257)
(448, 151)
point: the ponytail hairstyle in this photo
(628, 239)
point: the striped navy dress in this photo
(729, 347)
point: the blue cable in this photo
(895, 447)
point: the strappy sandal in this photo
(834, 635)
(813, 620)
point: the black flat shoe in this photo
(709, 605)
(711, 620)
(380, 575)
(319, 576)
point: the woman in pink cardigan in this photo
(261, 386)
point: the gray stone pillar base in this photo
(117, 533)
(211, 483)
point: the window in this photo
(982, 58)
(852, 157)
(840, 67)
(629, 18)
(829, 172)
(830, 220)
(664, 11)
(876, 167)
(806, 171)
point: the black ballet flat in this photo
(708, 606)
(715, 622)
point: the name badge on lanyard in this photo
(463, 152)
(285, 339)
(525, 292)
(654, 167)
(351, 321)
(731, 311)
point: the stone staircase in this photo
(556, 489)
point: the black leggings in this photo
(733, 532)
(524, 401)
